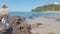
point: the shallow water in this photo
(41, 18)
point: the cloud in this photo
(56, 3)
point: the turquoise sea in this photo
(27, 14)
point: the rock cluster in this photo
(21, 29)
(18, 27)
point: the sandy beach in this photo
(49, 25)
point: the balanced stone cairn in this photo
(5, 24)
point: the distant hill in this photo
(49, 7)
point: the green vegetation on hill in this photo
(49, 7)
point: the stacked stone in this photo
(4, 19)
(4, 11)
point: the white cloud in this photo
(56, 3)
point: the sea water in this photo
(27, 14)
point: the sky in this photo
(26, 5)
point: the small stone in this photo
(37, 33)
